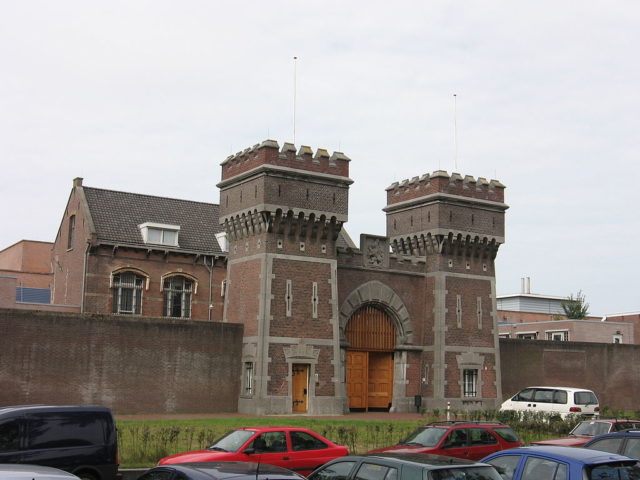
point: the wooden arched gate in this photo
(372, 337)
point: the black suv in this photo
(78, 439)
(403, 467)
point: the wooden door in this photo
(357, 379)
(299, 387)
(372, 338)
(380, 385)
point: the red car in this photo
(470, 440)
(296, 449)
(584, 432)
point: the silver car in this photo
(14, 471)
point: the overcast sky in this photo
(150, 97)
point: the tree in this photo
(576, 307)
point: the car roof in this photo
(52, 408)
(622, 433)
(18, 471)
(569, 389)
(420, 459)
(583, 455)
(610, 420)
(231, 469)
(279, 429)
(470, 423)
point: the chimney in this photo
(77, 182)
(528, 284)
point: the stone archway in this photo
(373, 323)
(378, 294)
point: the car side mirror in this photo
(249, 451)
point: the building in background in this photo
(531, 316)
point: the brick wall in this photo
(611, 371)
(104, 260)
(132, 365)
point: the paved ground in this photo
(350, 416)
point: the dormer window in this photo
(160, 233)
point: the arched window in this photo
(127, 293)
(177, 296)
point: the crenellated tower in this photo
(283, 210)
(456, 224)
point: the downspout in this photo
(210, 268)
(84, 275)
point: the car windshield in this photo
(465, 473)
(232, 441)
(615, 470)
(585, 398)
(591, 429)
(507, 434)
(425, 437)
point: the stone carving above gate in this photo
(302, 350)
(375, 251)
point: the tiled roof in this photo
(116, 216)
(344, 240)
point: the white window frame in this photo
(147, 227)
(186, 295)
(470, 377)
(563, 334)
(527, 335)
(136, 288)
(223, 241)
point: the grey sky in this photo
(150, 97)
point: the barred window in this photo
(560, 335)
(127, 293)
(177, 297)
(470, 378)
(248, 378)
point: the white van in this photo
(563, 401)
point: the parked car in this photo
(79, 439)
(297, 449)
(562, 401)
(387, 466)
(625, 443)
(219, 471)
(470, 440)
(586, 430)
(14, 471)
(561, 463)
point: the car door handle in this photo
(286, 458)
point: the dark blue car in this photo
(562, 463)
(626, 442)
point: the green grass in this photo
(143, 442)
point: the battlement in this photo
(269, 153)
(441, 182)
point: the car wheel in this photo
(87, 476)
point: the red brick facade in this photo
(294, 280)
(283, 211)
